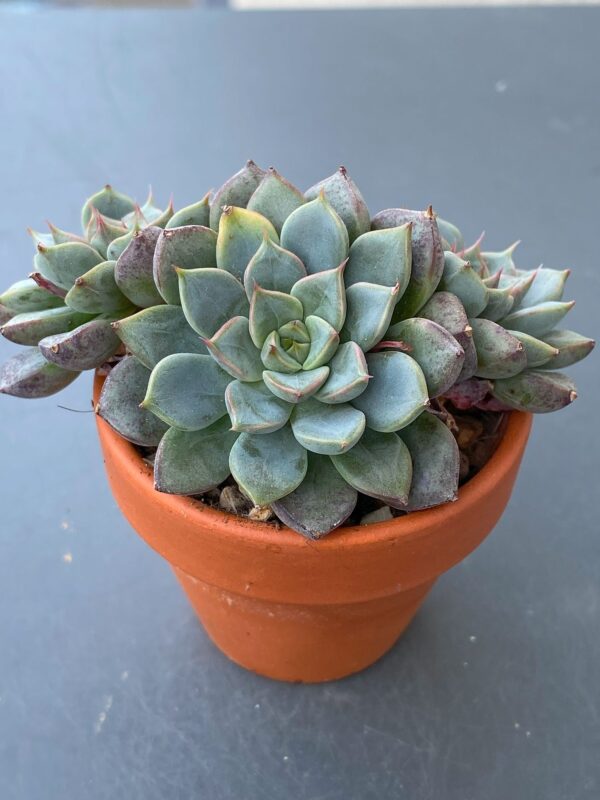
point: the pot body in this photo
(296, 610)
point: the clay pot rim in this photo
(253, 533)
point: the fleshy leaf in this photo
(275, 198)
(499, 354)
(469, 393)
(501, 259)
(134, 272)
(194, 214)
(191, 247)
(572, 347)
(63, 263)
(297, 387)
(28, 375)
(321, 503)
(192, 462)
(85, 347)
(241, 233)
(427, 256)
(5, 314)
(499, 304)
(26, 295)
(30, 327)
(236, 191)
(326, 246)
(270, 310)
(186, 391)
(267, 466)
(274, 356)
(210, 297)
(452, 238)
(345, 197)
(254, 409)
(57, 236)
(536, 391)
(233, 349)
(323, 295)
(348, 376)
(118, 246)
(157, 332)
(547, 285)
(109, 203)
(379, 465)
(96, 292)
(369, 311)
(102, 231)
(324, 342)
(327, 429)
(447, 310)
(434, 349)
(536, 351)
(119, 404)
(383, 257)
(273, 268)
(461, 279)
(435, 461)
(396, 393)
(537, 320)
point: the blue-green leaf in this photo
(396, 393)
(241, 233)
(327, 429)
(96, 292)
(236, 191)
(26, 295)
(268, 466)
(108, 202)
(296, 387)
(326, 246)
(275, 198)
(345, 197)
(537, 352)
(536, 391)
(572, 347)
(119, 404)
(191, 247)
(348, 375)
(63, 263)
(29, 328)
(233, 349)
(192, 462)
(194, 214)
(461, 279)
(154, 333)
(321, 503)
(134, 272)
(270, 310)
(379, 465)
(435, 460)
(324, 341)
(499, 354)
(85, 347)
(274, 357)
(272, 267)
(383, 257)
(254, 409)
(28, 375)
(539, 319)
(323, 295)
(369, 311)
(209, 298)
(187, 391)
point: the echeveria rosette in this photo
(64, 312)
(514, 316)
(292, 385)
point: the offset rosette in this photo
(81, 285)
(514, 318)
(293, 385)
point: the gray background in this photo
(108, 686)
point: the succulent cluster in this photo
(289, 340)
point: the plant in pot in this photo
(277, 357)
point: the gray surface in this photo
(108, 686)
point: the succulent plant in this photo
(63, 312)
(290, 341)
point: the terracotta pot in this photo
(297, 610)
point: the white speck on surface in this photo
(472, 638)
(257, 705)
(286, 758)
(517, 726)
(528, 734)
(501, 86)
(64, 525)
(465, 663)
(102, 716)
(124, 675)
(68, 558)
